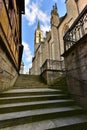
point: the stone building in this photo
(22, 68)
(48, 60)
(10, 41)
(38, 46)
(46, 50)
(75, 54)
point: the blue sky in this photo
(36, 10)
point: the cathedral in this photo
(64, 49)
(48, 51)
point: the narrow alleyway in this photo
(32, 105)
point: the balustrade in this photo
(77, 30)
(50, 64)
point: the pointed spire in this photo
(38, 26)
(54, 10)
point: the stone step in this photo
(16, 118)
(27, 92)
(67, 123)
(33, 96)
(18, 99)
(70, 123)
(28, 78)
(32, 81)
(30, 86)
(14, 107)
(26, 81)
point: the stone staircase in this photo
(27, 81)
(24, 108)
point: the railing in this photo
(77, 30)
(50, 64)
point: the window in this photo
(39, 37)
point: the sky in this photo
(36, 10)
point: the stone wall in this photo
(81, 4)
(49, 76)
(76, 66)
(8, 74)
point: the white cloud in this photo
(27, 57)
(27, 2)
(27, 52)
(27, 67)
(43, 17)
(33, 12)
(45, 28)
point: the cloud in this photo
(45, 28)
(27, 2)
(27, 52)
(27, 67)
(33, 12)
(27, 57)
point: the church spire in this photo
(54, 10)
(38, 26)
(54, 15)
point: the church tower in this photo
(38, 38)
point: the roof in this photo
(38, 26)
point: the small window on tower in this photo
(39, 37)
